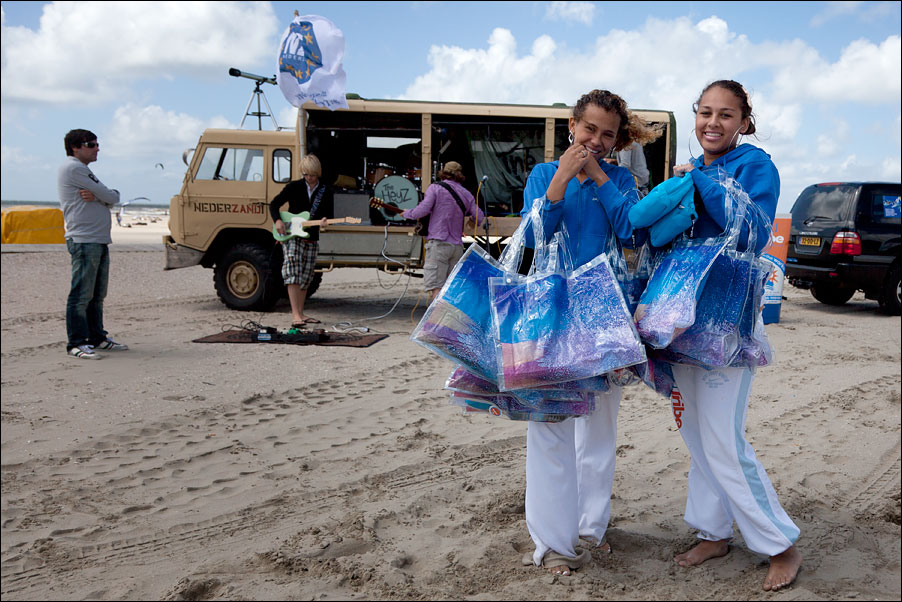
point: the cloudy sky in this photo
(148, 77)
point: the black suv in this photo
(846, 236)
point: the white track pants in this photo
(726, 481)
(569, 476)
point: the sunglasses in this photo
(93, 144)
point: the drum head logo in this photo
(300, 54)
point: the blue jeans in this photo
(84, 308)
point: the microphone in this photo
(485, 178)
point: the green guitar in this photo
(296, 222)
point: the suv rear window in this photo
(823, 202)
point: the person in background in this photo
(86, 204)
(446, 212)
(299, 254)
(633, 158)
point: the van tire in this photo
(245, 279)
(889, 296)
(832, 294)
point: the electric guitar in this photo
(378, 203)
(296, 222)
(422, 227)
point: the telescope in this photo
(257, 78)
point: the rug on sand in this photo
(313, 337)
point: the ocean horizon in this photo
(130, 207)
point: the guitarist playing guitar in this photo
(299, 254)
(447, 203)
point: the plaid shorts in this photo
(299, 260)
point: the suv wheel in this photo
(832, 294)
(245, 279)
(892, 288)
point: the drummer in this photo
(446, 203)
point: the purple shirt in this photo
(446, 222)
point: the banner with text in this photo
(310, 63)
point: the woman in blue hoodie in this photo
(727, 483)
(570, 465)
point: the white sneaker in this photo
(85, 352)
(111, 345)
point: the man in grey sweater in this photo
(86, 203)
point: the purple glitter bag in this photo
(713, 340)
(457, 325)
(667, 306)
(556, 328)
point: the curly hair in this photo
(632, 127)
(739, 92)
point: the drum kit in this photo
(402, 191)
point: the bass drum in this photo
(397, 191)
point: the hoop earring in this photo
(570, 138)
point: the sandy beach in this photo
(188, 471)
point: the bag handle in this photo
(513, 252)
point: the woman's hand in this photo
(573, 161)
(681, 170)
(592, 168)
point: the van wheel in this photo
(832, 294)
(245, 278)
(892, 288)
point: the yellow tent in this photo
(33, 225)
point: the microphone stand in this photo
(485, 213)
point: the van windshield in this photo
(823, 203)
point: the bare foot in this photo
(704, 550)
(783, 569)
(562, 569)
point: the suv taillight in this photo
(846, 243)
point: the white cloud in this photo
(288, 117)
(151, 131)
(664, 64)
(833, 10)
(88, 50)
(891, 169)
(865, 72)
(581, 12)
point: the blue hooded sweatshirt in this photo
(588, 211)
(752, 168)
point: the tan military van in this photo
(385, 150)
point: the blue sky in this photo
(148, 77)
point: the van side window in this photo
(281, 165)
(241, 164)
(885, 208)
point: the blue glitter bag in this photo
(667, 306)
(714, 338)
(457, 325)
(557, 327)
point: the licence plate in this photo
(810, 241)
